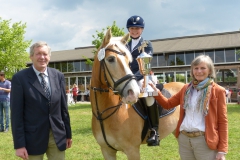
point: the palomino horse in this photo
(115, 124)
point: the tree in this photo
(98, 38)
(13, 55)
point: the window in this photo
(219, 76)
(88, 79)
(51, 65)
(83, 65)
(219, 56)
(72, 81)
(169, 76)
(161, 60)
(58, 66)
(198, 53)
(189, 57)
(237, 54)
(230, 75)
(171, 59)
(81, 83)
(180, 77)
(76, 66)
(160, 77)
(64, 66)
(180, 58)
(210, 53)
(154, 61)
(88, 67)
(230, 55)
(70, 66)
(226, 75)
(189, 78)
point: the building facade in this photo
(171, 59)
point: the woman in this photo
(202, 129)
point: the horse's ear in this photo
(107, 38)
(125, 38)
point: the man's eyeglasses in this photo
(1, 74)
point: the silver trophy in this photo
(144, 63)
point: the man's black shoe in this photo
(1, 130)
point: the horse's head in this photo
(112, 62)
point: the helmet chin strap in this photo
(134, 38)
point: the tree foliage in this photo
(98, 38)
(13, 55)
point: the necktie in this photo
(44, 86)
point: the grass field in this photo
(85, 147)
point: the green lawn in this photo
(85, 147)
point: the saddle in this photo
(141, 110)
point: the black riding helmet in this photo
(135, 21)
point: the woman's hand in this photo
(153, 86)
(220, 156)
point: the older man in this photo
(40, 118)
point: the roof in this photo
(178, 44)
(71, 55)
(197, 42)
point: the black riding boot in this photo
(153, 114)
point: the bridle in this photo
(127, 78)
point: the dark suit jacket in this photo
(32, 115)
(135, 53)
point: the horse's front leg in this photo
(133, 153)
(108, 153)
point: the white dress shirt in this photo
(194, 119)
(135, 42)
(45, 77)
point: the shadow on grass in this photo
(79, 106)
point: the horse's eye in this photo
(111, 59)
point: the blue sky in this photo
(67, 24)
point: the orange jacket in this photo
(216, 123)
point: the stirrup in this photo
(154, 142)
(153, 139)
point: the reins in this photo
(99, 114)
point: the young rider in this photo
(135, 26)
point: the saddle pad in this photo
(141, 110)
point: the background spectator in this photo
(5, 88)
(75, 92)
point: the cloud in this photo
(70, 24)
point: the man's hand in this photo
(69, 143)
(22, 153)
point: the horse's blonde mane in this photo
(117, 41)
